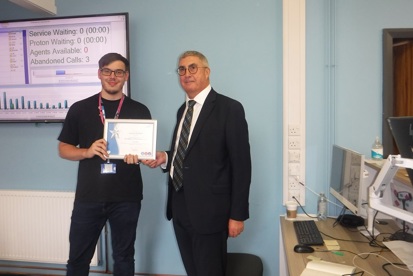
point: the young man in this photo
(103, 195)
(209, 168)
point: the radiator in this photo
(34, 226)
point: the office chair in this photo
(244, 264)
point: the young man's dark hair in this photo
(111, 57)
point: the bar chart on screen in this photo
(18, 106)
(22, 104)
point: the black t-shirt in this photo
(82, 127)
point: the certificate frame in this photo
(130, 136)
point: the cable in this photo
(339, 239)
(342, 212)
(387, 264)
(377, 255)
(302, 208)
(374, 242)
(355, 273)
(305, 186)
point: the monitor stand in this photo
(373, 234)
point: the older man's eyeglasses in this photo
(108, 72)
(192, 69)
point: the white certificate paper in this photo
(130, 136)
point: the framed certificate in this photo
(130, 136)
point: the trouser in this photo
(202, 254)
(86, 226)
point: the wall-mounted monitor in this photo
(346, 180)
(48, 64)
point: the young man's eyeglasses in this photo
(108, 72)
(192, 69)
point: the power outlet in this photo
(294, 130)
(294, 143)
(293, 184)
(294, 161)
(294, 156)
(294, 193)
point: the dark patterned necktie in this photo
(182, 145)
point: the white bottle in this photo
(377, 149)
(322, 207)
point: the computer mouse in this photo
(300, 248)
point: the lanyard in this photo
(102, 109)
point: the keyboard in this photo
(307, 232)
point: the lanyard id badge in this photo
(108, 167)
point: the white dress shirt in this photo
(199, 99)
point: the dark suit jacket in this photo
(217, 165)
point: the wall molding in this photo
(294, 92)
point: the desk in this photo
(297, 261)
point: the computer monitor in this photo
(402, 130)
(347, 167)
(47, 64)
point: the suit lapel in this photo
(207, 108)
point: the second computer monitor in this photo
(346, 178)
(402, 130)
